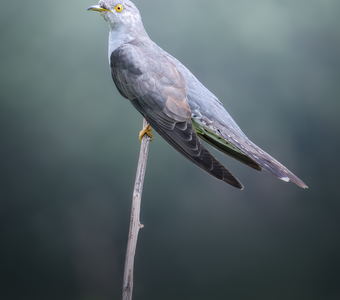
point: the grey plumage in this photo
(174, 102)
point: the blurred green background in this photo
(69, 150)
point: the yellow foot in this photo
(146, 130)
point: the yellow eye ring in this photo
(119, 8)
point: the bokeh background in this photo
(69, 150)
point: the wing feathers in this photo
(196, 153)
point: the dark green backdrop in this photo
(69, 149)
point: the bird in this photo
(174, 102)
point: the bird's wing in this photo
(207, 109)
(157, 89)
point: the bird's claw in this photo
(146, 130)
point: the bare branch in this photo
(135, 224)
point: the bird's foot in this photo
(146, 130)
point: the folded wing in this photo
(157, 89)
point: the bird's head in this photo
(118, 13)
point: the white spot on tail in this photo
(286, 179)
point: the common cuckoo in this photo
(172, 100)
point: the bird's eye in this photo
(119, 8)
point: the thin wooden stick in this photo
(135, 224)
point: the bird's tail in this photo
(270, 164)
(244, 150)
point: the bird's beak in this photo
(97, 8)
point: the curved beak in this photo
(97, 8)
